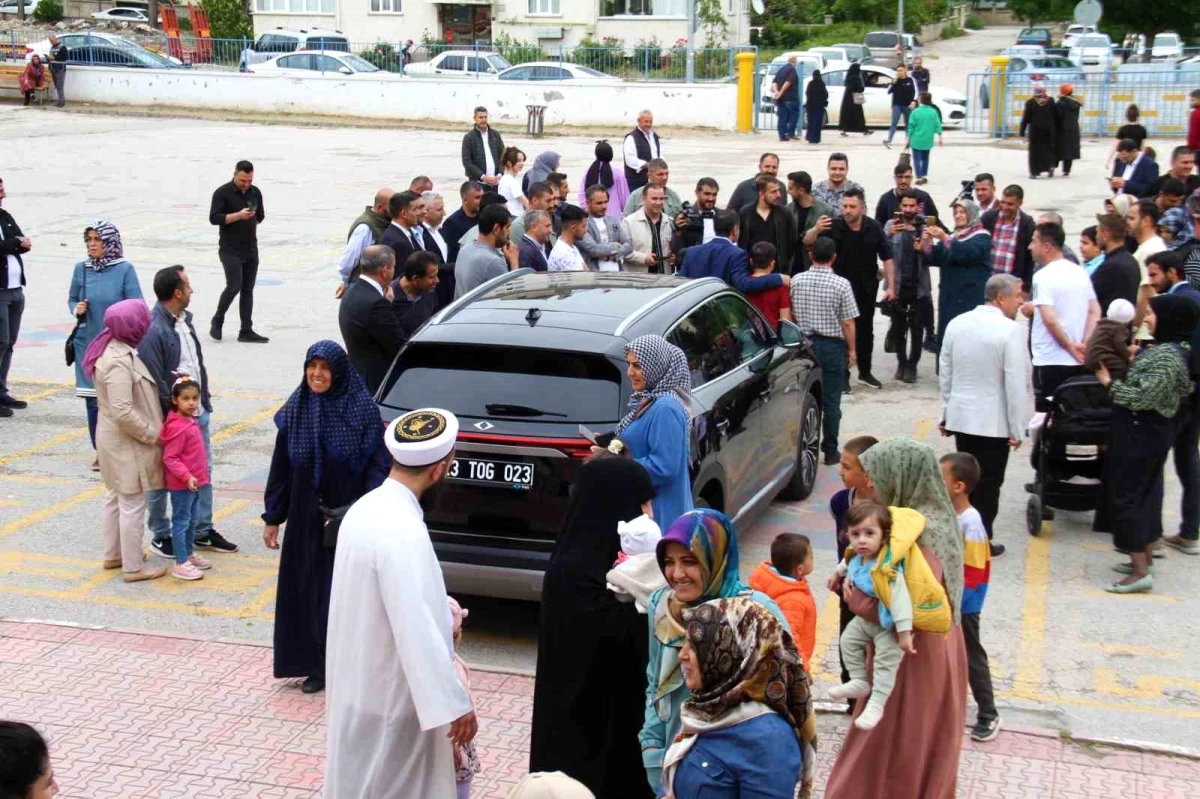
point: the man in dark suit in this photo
(414, 297)
(368, 324)
(1012, 231)
(481, 150)
(1133, 170)
(406, 234)
(721, 257)
(532, 249)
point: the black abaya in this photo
(590, 688)
(851, 118)
(1068, 130)
(1041, 122)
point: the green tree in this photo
(1035, 11)
(228, 19)
(1177, 16)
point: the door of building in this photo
(467, 25)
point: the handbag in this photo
(69, 349)
(332, 524)
(858, 98)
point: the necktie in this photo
(417, 245)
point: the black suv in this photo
(527, 358)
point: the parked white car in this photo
(11, 7)
(1166, 46)
(460, 64)
(335, 62)
(806, 62)
(104, 49)
(121, 15)
(1074, 32)
(835, 57)
(1092, 50)
(557, 71)
(292, 40)
(878, 105)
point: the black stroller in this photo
(1071, 443)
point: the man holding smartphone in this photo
(237, 210)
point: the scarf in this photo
(545, 163)
(665, 369)
(1120, 204)
(1175, 318)
(34, 71)
(1179, 225)
(973, 227)
(342, 421)
(906, 475)
(600, 172)
(749, 666)
(126, 321)
(114, 251)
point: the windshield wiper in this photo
(503, 409)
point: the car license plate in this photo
(502, 474)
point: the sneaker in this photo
(1182, 544)
(887, 144)
(832, 458)
(5, 412)
(199, 562)
(214, 541)
(186, 571)
(12, 402)
(214, 330)
(163, 547)
(1159, 550)
(996, 549)
(910, 375)
(920, 181)
(869, 380)
(250, 337)
(985, 730)
(847, 389)
(930, 345)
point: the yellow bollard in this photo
(745, 91)
(997, 85)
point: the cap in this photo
(1120, 310)
(550, 785)
(421, 437)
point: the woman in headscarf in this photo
(99, 281)
(32, 78)
(1068, 126)
(591, 665)
(850, 117)
(329, 451)
(1146, 404)
(127, 442)
(913, 752)
(655, 431)
(965, 258)
(748, 727)
(1120, 204)
(816, 100)
(1040, 124)
(543, 165)
(698, 556)
(601, 173)
(1176, 228)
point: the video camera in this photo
(694, 216)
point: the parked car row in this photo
(1084, 45)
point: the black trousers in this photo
(992, 454)
(1047, 379)
(979, 674)
(1187, 467)
(59, 76)
(240, 274)
(908, 322)
(864, 325)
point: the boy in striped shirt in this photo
(960, 472)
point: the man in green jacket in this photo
(808, 211)
(923, 123)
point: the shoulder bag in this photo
(69, 349)
(858, 98)
(332, 523)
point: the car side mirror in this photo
(790, 336)
(346, 71)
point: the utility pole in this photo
(900, 18)
(690, 76)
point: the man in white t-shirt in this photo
(1142, 219)
(1066, 311)
(566, 257)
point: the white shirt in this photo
(982, 374)
(374, 284)
(1067, 288)
(1132, 165)
(435, 233)
(360, 238)
(189, 359)
(629, 150)
(510, 189)
(14, 272)
(566, 258)
(488, 160)
(1149, 247)
(391, 689)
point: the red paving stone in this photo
(125, 720)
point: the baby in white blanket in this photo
(636, 575)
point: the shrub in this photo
(605, 56)
(383, 55)
(647, 52)
(952, 31)
(974, 21)
(228, 19)
(48, 11)
(516, 52)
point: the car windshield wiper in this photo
(504, 409)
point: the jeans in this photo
(60, 77)
(831, 355)
(202, 524)
(979, 674)
(920, 162)
(12, 305)
(1187, 467)
(240, 274)
(183, 522)
(992, 454)
(897, 112)
(789, 114)
(93, 416)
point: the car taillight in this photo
(572, 447)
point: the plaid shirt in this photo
(1004, 245)
(826, 193)
(821, 301)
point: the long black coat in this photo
(1041, 122)
(305, 565)
(851, 118)
(1068, 128)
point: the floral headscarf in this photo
(906, 474)
(1179, 225)
(666, 371)
(114, 251)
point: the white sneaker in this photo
(186, 571)
(855, 689)
(199, 562)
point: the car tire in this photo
(808, 452)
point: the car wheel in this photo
(1033, 515)
(808, 453)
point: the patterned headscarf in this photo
(543, 165)
(126, 321)
(114, 251)
(1180, 226)
(342, 421)
(973, 227)
(666, 371)
(746, 656)
(906, 474)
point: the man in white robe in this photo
(394, 704)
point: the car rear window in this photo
(466, 378)
(329, 43)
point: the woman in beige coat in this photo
(127, 436)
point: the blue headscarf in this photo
(343, 421)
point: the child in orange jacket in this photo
(782, 579)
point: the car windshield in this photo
(498, 63)
(1166, 39)
(358, 64)
(1053, 63)
(591, 73)
(1092, 41)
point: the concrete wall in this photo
(695, 105)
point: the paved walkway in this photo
(133, 716)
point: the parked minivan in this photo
(884, 46)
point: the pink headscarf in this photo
(126, 321)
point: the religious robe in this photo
(1041, 122)
(391, 687)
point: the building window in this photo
(646, 8)
(385, 7)
(545, 8)
(295, 6)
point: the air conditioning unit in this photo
(548, 32)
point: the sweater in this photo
(1158, 380)
(923, 123)
(658, 440)
(183, 451)
(1109, 345)
(795, 600)
(977, 561)
(101, 289)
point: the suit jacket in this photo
(1144, 173)
(723, 259)
(370, 331)
(1023, 264)
(431, 245)
(594, 251)
(981, 370)
(636, 230)
(473, 159)
(401, 244)
(531, 255)
(1117, 277)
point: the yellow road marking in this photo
(1080, 701)
(34, 382)
(228, 510)
(827, 630)
(1145, 686)
(251, 395)
(1033, 614)
(55, 509)
(98, 579)
(1130, 650)
(923, 429)
(43, 394)
(237, 427)
(49, 443)
(34, 480)
(142, 604)
(9, 503)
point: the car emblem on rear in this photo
(484, 426)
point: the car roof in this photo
(304, 31)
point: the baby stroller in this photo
(1071, 444)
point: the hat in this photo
(1067, 89)
(422, 437)
(550, 785)
(1120, 311)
